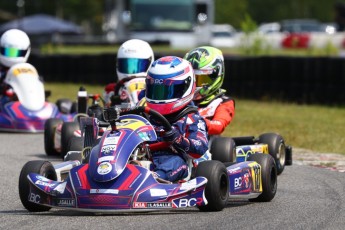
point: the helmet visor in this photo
(12, 52)
(202, 80)
(159, 89)
(132, 65)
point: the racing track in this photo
(307, 198)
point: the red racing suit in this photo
(218, 113)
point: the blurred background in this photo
(289, 50)
(265, 24)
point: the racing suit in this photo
(171, 163)
(5, 91)
(218, 112)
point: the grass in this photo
(318, 128)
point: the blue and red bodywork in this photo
(14, 117)
(108, 183)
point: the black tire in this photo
(64, 105)
(75, 144)
(276, 148)
(268, 176)
(217, 187)
(67, 131)
(49, 135)
(223, 149)
(44, 168)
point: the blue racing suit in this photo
(171, 164)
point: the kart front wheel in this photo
(217, 187)
(49, 135)
(223, 149)
(276, 148)
(268, 176)
(44, 168)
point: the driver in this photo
(134, 58)
(14, 49)
(214, 105)
(170, 87)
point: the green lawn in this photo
(318, 128)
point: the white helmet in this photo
(170, 85)
(14, 47)
(134, 58)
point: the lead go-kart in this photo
(115, 174)
(28, 110)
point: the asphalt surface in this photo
(308, 197)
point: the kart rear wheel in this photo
(49, 135)
(217, 187)
(67, 131)
(268, 176)
(44, 168)
(276, 148)
(223, 149)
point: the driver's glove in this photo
(177, 140)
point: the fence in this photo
(317, 80)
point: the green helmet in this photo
(208, 65)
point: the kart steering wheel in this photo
(157, 116)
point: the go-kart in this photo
(27, 110)
(57, 132)
(240, 148)
(61, 137)
(114, 173)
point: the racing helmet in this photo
(134, 58)
(170, 85)
(14, 47)
(208, 65)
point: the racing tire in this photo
(75, 144)
(217, 187)
(276, 148)
(49, 135)
(223, 149)
(67, 131)
(268, 176)
(44, 168)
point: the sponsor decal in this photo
(139, 205)
(104, 168)
(234, 170)
(185, 203)
(106, 158)
(34, 198)
(104, 191)
(42, 178)
(158, 192)
(111, 140)
(159, 205)
(44, 183)
(238, 182)
(188, 185)
(108, 148)
(65, 202)
(24, 70)
(152, 205)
